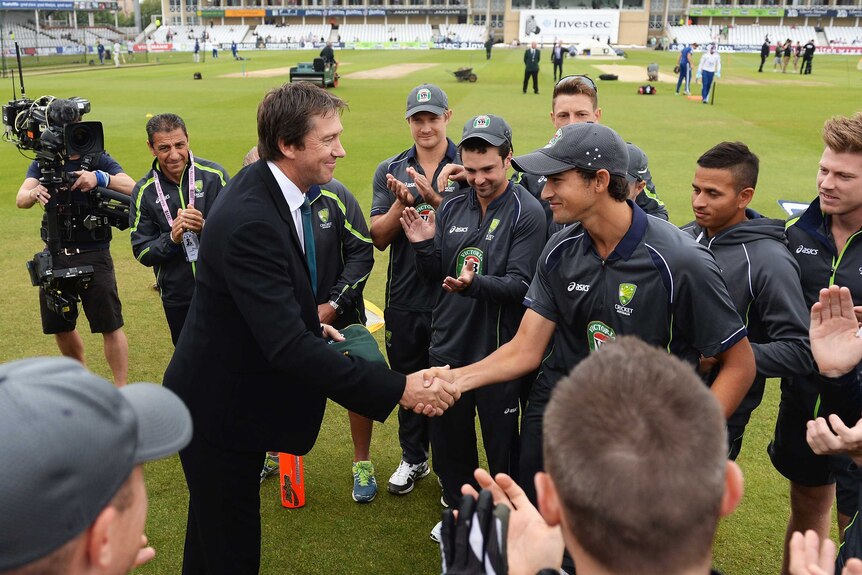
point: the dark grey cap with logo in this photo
(492, 129)
(427, 98)
(638, 169)
(586, 146)
(68, 441)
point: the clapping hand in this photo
(415, 227)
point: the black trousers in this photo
(762, 62)
(453, 436)
(535, 76)
(176, 316)
(223, 528)
(558, 66)
(408, 337)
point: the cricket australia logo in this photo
(424, 210)
(626, 294)
(598, 334)
(423, 95)
(471, 256)
(323, 216)
(481, 122)
(556, 138)
(490, 235)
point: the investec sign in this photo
(568, 25)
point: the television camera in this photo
(51, 128)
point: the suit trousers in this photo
(535, 76)
(223, 530)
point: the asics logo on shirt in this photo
(807, 251)
(575, 286)
(457, 229)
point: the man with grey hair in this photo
(84, 512)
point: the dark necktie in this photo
(308, 237)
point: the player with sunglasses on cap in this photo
(575, 100)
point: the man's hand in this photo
(86, 181)
(40, 194)
(193, 220)
(809, 557)
(429, 400)
(326, 313)
(834, 344)
(415, 228)
(177, 228)
(399, 188)
(843, 439)
(451, 173)
(532, 544)
(424, 187)
(463, 281)
(330, 332)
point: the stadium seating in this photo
(384, 33)
(294, 33)
(464, 32)
(844, 35)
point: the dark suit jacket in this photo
(532, 63)
(251, 364)
(557, 58)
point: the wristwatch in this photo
(338, 309)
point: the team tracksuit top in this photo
(504, 245)
(657, 284)
(151, 234)
(763, 281)
(810, 242)
(345, 254)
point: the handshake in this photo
(431, 391)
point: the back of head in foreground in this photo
(636, 460)
(72, 497)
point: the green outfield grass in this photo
(779, 116)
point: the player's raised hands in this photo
(451, 172)
(808, 556)
(415, 227)
(399, 188)
(834, 344)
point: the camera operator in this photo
(100, 298)
(167, 214)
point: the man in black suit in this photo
(531, 67)
(252, 339)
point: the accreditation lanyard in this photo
(161, 195)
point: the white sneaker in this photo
(437, 532)
(405, 477)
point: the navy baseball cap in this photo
(492, 129)
(427, 98)
(638, 168)
(586, 146)
(70, 439)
